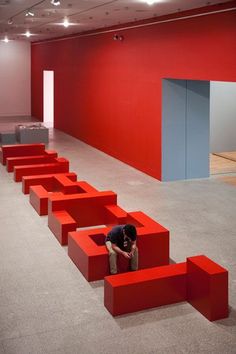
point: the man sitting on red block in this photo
(122, 240)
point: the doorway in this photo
(48, 98)
(198, 128)
(222, 128)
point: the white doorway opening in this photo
(48, 98)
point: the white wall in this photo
(48, 97)
(15, 87)
(222, 116)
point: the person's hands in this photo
(127, 255)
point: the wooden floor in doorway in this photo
(230, 155)
(223, 164)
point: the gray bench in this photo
(31, 134)
(7, 138)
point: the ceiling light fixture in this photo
(6, 40)
(10, 21)
(66, 22)
(27, 34)
(150, 2)
(29, 13)
(55, 2)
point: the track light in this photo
(10, 21)
(66, 22)
(55, 2)
(29, 13)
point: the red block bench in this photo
(200, 281)
(207, 287)
(39, 195)
(20, 150)
(49, 182)
(143, 289)
(47, 157)
(67, 212)
(87, 248)
(60, 165)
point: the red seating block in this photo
(47, 181)
(157, 246)
(88, 251)
(77, 210)
(61, 165)
(200, 281)
(39, 199)
(47, 157)
(207, 287)
(20, 150)
(143, 289)
(39, 195)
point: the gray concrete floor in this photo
(46, 306)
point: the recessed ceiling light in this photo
(27, 34)
(150, 2)
(55, 2)
(66, 22)
(29, 13)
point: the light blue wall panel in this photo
(185, 129)
(173, 129)
(197, 129)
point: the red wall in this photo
(108, 93)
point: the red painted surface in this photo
(39, 199)
(61, 165)
(88, 251)
(200, 281)
(60, 183)
(111, 90)
(143, 289)
(67, 212)
(207, 287)
(29, 160)
(20, 150)
(47, 181)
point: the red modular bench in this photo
(39, 195)
(143, 289)
(87, 248)
(194, 281)
(207, 287)
(67, 212)
(60, 165)
(47, 157)
(49, 182)
(20, 150)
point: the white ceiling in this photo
(84, 15)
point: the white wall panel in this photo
(222, 116)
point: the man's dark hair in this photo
(130, 231)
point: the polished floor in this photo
(46, 305)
